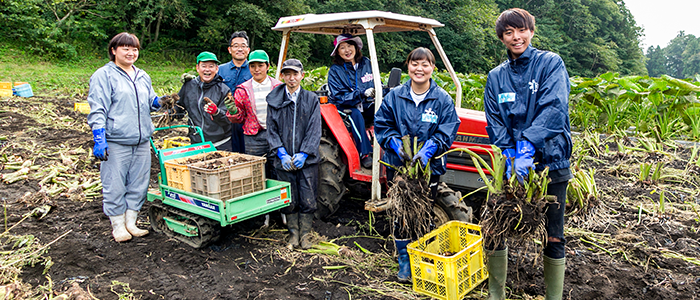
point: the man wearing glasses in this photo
(234, 73)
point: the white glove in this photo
(369, 93)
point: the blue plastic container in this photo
(24, 90)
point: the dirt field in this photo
(620, 252)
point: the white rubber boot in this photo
(131, 223)
(118, 230)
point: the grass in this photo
(52, 78)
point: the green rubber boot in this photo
(554, 277)
(306, 227)
(497, 267)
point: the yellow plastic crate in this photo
(5, 92)
(174, 142)
(6, 86)
(82, 107)
(178, 170)
(448, 262)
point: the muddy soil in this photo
(622, 252)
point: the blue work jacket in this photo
(233, 76)
(433, 118)
(528, 99)
(347, 86)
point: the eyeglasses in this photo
(239, 46)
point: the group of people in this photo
(526, 103)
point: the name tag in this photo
(430, 118)
(367, 77)
(506, 97)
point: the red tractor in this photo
(340, 169)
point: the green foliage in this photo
(593, 36)
(680, 59)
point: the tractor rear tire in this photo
(449, 201)
(331, 172)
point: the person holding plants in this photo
(121, 98)
(351, 86)
(294, 133)
(249, 106)
(234, 73)
(527, 112)
(419, 108)
(203, 98)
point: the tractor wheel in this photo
(449, 201)
(331, 171)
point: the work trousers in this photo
(257, 145)
(304, 189)
(237, 139)
(359, 134)
(125, 176)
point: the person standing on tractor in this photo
(121, 98)
(418, 108)
(294, 133)
(351, 87)
(249, 106)
(203, 98)
(234, 73)
(527, 112)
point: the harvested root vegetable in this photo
(409, 206)
(514, 210)
(167, 104)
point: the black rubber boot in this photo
(293, 226)
(306, 223)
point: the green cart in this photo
(196, 219)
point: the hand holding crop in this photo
(369, 93)
(524, 158)
(101, 149)
(299, 159)
(509, 156)
(210, 107)
(156, 103)
(426, 152)
(286, 159)
(230, 104)
(396, 145)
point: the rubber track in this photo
(208, 228)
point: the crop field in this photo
(632, 221)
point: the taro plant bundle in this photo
(514, 210)
(409, 205)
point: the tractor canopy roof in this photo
(355, 23)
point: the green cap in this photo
(259, 56)
(207, 56)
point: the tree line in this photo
(592, 36)
(680, 58)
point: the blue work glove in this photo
(299, 159)
(156, 103)
(285, 158)
(524, 158)
(396, 145)
(101, 149)
(509, 155)
(426, 152)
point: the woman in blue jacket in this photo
(121, 98)
(418, 108)
(351, 86)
